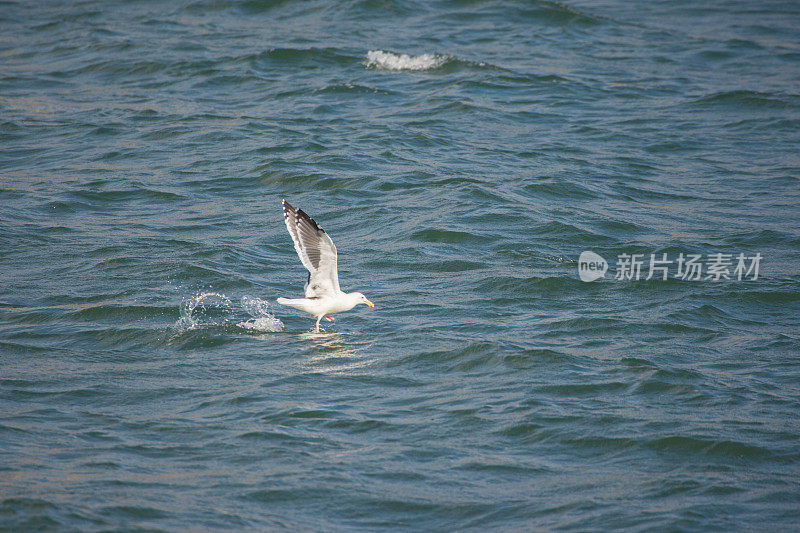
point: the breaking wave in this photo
(379, 59)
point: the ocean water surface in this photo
(462, 155)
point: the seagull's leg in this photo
(329, 318)
(318, 319)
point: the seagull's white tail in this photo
(297, 303)
(291, 302)
(307, 305)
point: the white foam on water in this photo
(216, 309)
(262, 319)
(390, 61)
(264, 323)
(255, 306)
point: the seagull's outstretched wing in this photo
(316, 250)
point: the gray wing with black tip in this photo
(316, 250)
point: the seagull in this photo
(318, 254)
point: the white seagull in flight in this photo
(318, 254)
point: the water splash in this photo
(210, 309)
(261, 319)
(389, 61)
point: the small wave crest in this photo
(389, 61)
(216, 309)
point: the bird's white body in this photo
(317, 307)
(318, 254)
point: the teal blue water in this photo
(462, 155)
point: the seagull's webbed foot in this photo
(329, 318)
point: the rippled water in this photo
(461, 155)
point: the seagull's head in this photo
(361, 299)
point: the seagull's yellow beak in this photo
(369, 303)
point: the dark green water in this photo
(149, 381)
